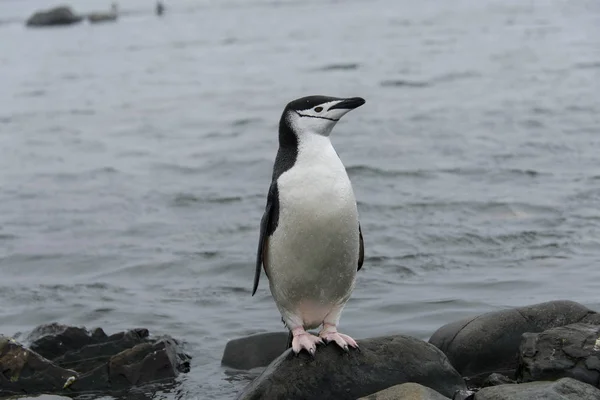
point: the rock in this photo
(56, 16)
(381, 363)
(570, 351)
(73, 357)
(160, 8)
(144, 363)
(254, 351)
(100, 16)
(563, 389)
(41, 397)
(463, 395)
(497, 379)
(406, 391)
(489, 343)
(24, 371)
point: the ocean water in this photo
(135, 159)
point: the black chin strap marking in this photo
(314, 116)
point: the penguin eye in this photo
(318, 109)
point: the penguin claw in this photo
(307, 342)
(344, 341)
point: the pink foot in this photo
(330, 334)
(304, 340)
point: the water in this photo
(136, 156)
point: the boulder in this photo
(570, 351)
(24, 371)
(56, 16)
(497, 379)
(333, 374)
(63, 357)
(489, 343)
(406, 391)
(143, 363)
(563, 389)
(254, 351)
(40, 397)
(463, 395)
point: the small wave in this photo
(588, 65)
(404, 83)
(82, 111)
(449, 77)
(365, 170)
(542, 111)
(245, 121)
(182, 169)
(186, 199)
(455, 76)
(32, 93)
(339, 67)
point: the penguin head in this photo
(317, 114)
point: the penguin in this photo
(311, 243)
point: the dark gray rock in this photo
(489, 343)
(497, 379)
(381, 363)
(24, 371)
(563, 389)
(144, 363)
(254, 351)
(463, 395)
(76, 360)
(56, 16)
(406, 391)
(570, 351)
(41, 397)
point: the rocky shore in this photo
(68, 360)
(543, 351)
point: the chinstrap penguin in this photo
(311, 243)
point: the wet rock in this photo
(254, 351)
(497, 379)
(144, 363)
(463, 395)
(563, 389)
(41, 397)
(332, 374)
(569, 351)
(24, 371)
(74, 359)
(489, 343)
(55, 16)
(406, 391)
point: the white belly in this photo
(313, 253)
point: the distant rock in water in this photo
(160, 8)
(489, 343)
(70, 358)
(380, 363)
(56, 16)
(100, 16)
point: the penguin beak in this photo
(348, 104)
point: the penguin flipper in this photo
(361, 249)
(267, 226)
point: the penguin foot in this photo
(306, 341)
(330, 334)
